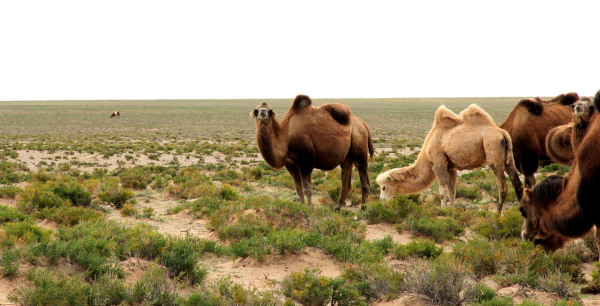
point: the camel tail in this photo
(371, 149)
(506, 142)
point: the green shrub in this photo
(113, 194)
(37, 197)
(441, 280)
(257, 247)
(287, 241)
(225, 292)
(394, 211)
(153, 288)
(439, 229)
(52, 287)
(71, 216)
(180, 259)
(8, 214)
(308, 288)
(491, 226)
(9, 262)
(421, 248)
(481, 256)
(9, 191)
(74, 192)
(129, 210)
(373, 281)
(23, 232)
(227, 193)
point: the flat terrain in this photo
(179, 187)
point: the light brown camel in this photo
(558, 141)
(559, 208)
(456, 142)
(315, 137)
(115, 114)
(528, 125)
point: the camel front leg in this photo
(292, 168)
(597, 240)
(346, 183)
(452, 177)
(306, 173)
(440, 168)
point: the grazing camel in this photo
(456, 142)
(528, 125)
(559, 208)
(558, 141)
(115, 114)
(315, 137)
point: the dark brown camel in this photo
(558, 141)
(562, 208)
(315, 137)
(528, 124)
(115, 114)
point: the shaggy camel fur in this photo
(315, 137)
(456, 142)
(528, 125)
(562, 208)
(558, 141)
(115, 114)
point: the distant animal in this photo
(528, 124)
(311, 137)
(559, 208)
(456, 142)
(558, 141)
(115, 114)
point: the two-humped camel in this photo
(559, 140)
(311, 137)
(559, 208)
(528, 124)
(456, 142)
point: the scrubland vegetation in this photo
(94, 179)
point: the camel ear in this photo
(272, 113)
(253, 113)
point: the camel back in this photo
(339, 112)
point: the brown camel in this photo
(528, 124)
(562, 208)
(558, 141)
(115, 114)
(456, 142)
(315, 137)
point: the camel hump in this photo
(301, 102)
(597, 101)
(340, 112)
(535, 107)
(474, 113)
(547, 190)
(569, 98)
(443, 114)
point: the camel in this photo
(558, 141)
(311, 137)
(456, 142)
(528, 124)
(563, 208)
(115, 114)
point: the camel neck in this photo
(271, 138)
(417, 177)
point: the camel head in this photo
(531, 224)
(263, 112)
(390, 183)
(583, 109)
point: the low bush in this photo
(419, 248)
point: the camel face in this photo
(530, 228)
(387, 186)
(262, 112)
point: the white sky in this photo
(51, 50)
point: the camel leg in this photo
(440, 168)
(292, 168)
(452, 175)
(529, 165)
(501, 183)
(363, 172)
(306, 173)
(346, 182)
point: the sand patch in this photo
(269, 274)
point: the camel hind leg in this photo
(495, 155)
(363, 171)
(346, 182)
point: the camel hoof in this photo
(337, 209)
(363, 207)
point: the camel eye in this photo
(383, 188)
